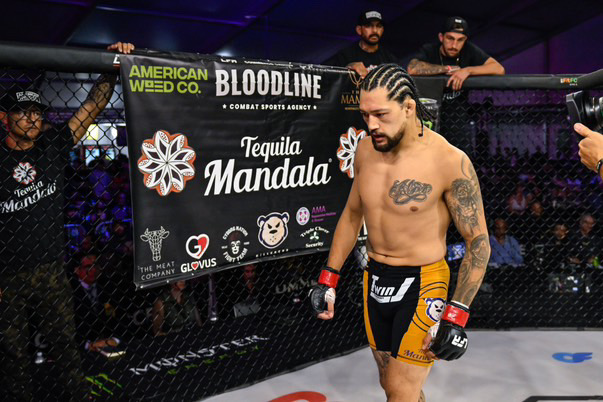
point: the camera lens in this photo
(585, 109)
(597, 113)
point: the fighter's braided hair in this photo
(399, 85)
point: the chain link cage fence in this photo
(74, 327)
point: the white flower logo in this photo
(348, 142)
(24, 173)
(167, 162)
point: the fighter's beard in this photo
(391, 142)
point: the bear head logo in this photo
(273, 229)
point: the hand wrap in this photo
(322, 294)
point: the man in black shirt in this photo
(458, 58)
(33, 284)
(454, 55)
(367, 53)
(586, 245)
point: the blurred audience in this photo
(517, 203)
(94, 312)
(557, 248)
(506, 250)
(586, 246)
(175, 309)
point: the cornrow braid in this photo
(399, 85)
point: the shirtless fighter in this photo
(409, 183)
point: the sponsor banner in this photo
(234, 161)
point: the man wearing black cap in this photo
(454, 56)
(33, 284)
(365, 54)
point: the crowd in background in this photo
(542, 215)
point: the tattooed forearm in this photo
(101, 93)
(472, 270)
(465, 204)
(97, 100)
(417, 67)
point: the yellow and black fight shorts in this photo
(401, 304)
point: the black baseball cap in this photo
(366, 17)
(456, 24)
(22, 99)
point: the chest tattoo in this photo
(403, 192)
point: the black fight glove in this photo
(450, 341)
(323, 293)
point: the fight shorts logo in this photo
(166, 162)
(273, 229)
(24, 173)
(435, 308)
(348, 143)
(196, 246)
(389, 294)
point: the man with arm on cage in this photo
(409, 183)
(455, 56)
(33, 158)
(458, 58)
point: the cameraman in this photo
(591, 148)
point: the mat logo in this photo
(459, 341)
(103, 384)
(196, 246)
(273, 229)
(155, 239)
(572, 357)
(348, 142)
(192, 356)
(389, 294)
(435, 308)
(166, 163)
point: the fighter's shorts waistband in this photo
(380, 269)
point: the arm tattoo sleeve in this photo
(472, 270)
(465, 205)
(424, 68)
(465, 199)
(102, 90)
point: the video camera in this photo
(583, 108)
